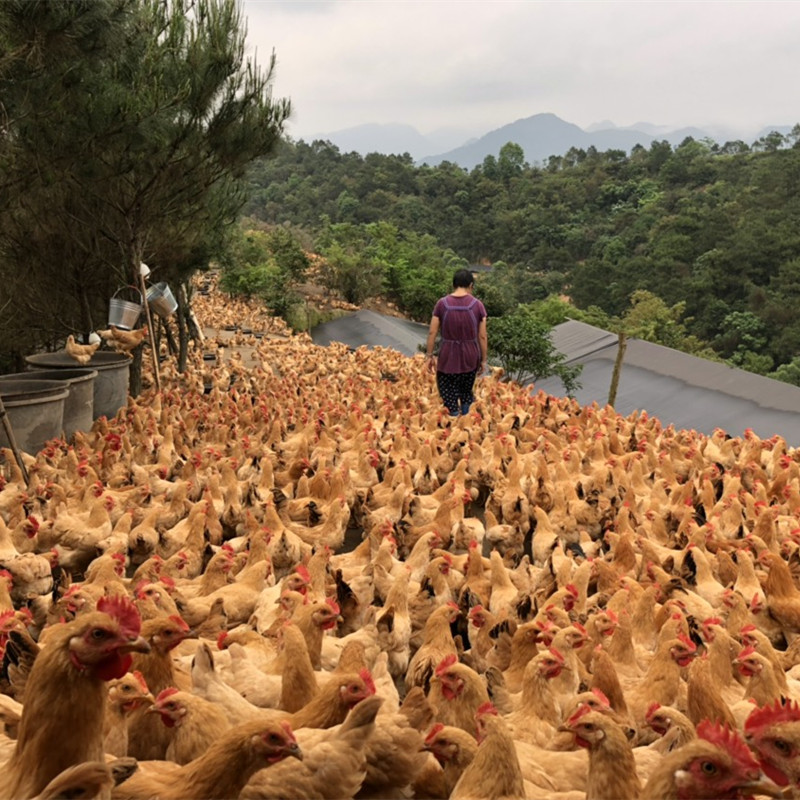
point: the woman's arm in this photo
(483, 341)
(432, 331)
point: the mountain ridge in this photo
(540, 136)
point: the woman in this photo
(461, 318)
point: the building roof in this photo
(679, 389)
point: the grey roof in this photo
(679, 389)
(374, 330)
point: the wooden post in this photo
(612, 392)
(13, 442)
(150, 331)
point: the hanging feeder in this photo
(161, 300)
(124, 314)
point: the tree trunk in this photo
(612, 392)
(183, 330)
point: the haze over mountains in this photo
(540, 136)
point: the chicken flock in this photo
(297, 577)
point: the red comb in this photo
(712, 621)
(221, 640)
(748, 651)
(366, 676)
(570, 587)
(286, 725)
(556, 653)
(333, 604)
(729, 741)
(4, 573)
(687, 641)
(446, 663)
(772, 714)
(486, 708)
(124, 612)
(142, 682)
(601, 696)
(581, 712)
(302, 571)
(168, 692)
(179, 621)
(651, 709)
(434, 732)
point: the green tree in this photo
(521, 342)
(146, 156)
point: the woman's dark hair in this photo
(463, 279)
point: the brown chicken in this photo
(495, 771)
(612, 768)
(147, 737)
(333, 765)
(194, 723)
(66, 692)
(82, 353)
(773, 732)
(717, 764)
(456, 694)
(123, 341)
(221, 772)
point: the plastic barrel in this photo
(110, 386)
(35, 410)
(79, 406)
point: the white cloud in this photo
(478, 65)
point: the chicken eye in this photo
(708, 768)
(99, 633)
(782, 745)
(275, 738)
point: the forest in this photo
(696, 247)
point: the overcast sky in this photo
(480, 64)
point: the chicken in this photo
(195, 723)
(612, 769)
(437, 644)
(147, 737)
(717, 764)
(66, 692)
(123, 341)
(86, 780)
(125, 695)
(333, 765)
(221, 772)
(82, 353)
(772, 732)
(783, 597)
(456, 694)
(495, 771)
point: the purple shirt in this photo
(460, 319)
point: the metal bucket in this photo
(161, 300)
(122, 313)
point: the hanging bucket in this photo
(161, 300)
(123, 313)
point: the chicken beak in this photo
(138, 645)
(294, 751)
(764, 786)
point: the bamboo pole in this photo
(151, 332)
(12, 440)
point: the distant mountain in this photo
(394, 139)
(540, 136)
